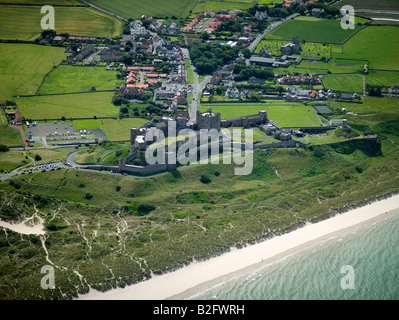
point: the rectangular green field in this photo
(82, 105)
(10, 136)
(17, 76)
(377, 44)
(343, 82)
(156, 8)
(312, 29)
(42, 2)
(283, 114)
(66, 79)
(189, 71)
(203, 5)
(119, 130)
(382, 78)
(23, 22)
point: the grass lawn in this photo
(82, 105)
(284, 114)
(119, 130)
(189, 71)
(204, 5)
(65, 79)
(17, 76)
(156, 8)
(343, 82)
(382, 78)
(11, 160)
(372, 106)
(51, 154)
(10, 136)
(312, 29)
(41, 2)
(377, 44)
(23, 22)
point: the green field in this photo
(23, 22)
(312, 29)
(156, 8)
(116, 130)
(17, 77)
(66, 79)
(189, 72)
(41, 2)
(11, 160)
(82, 105)
(343, 82)
(377, 44)
(119, 130)
(283, 114)
(214, 5)
(10, 136)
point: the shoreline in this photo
(199, 276)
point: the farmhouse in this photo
(254, 80)
(316, 12)
(290, 48)
(260, 61)
(395, 89)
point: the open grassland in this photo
(10, 136)
(82, 105)
(11, 160)
(370, 4)
(119, 130)
(382, 78)
(312, 29)
(23, 22)
(343, 82)
(156, 8)
(42, 2)
(214, 5)
(379, 45)
(23, 66)
(66, 79)
(284, 114)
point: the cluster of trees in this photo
(244, 72)
(230, 25)
(279, 11)
(374, 91)
(208, 57)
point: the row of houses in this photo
(299, 80)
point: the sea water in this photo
(361, 263)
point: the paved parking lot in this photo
(63, 133)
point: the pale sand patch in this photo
(26, 227)
(199, 276)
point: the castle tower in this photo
(208, 120)
(263, 115)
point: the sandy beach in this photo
(199, 276)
